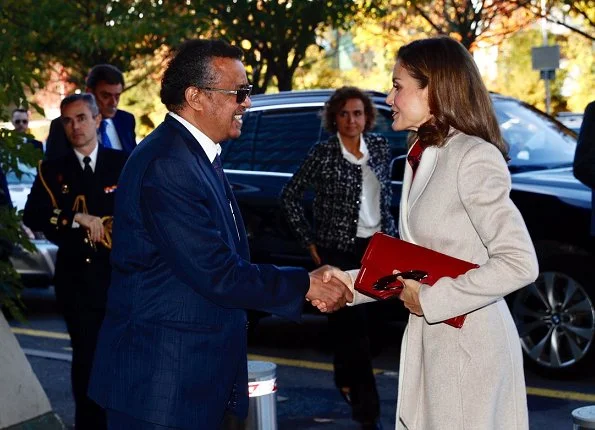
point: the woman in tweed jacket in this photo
(349, 174)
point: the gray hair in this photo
(86, 97)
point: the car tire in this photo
(555, 317)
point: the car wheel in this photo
(555, 317)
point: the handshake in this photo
(330, 289)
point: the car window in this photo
(27, 177)
(237, 153)
(284, 137)
(536, 140)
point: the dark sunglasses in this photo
(240, 94)
(385, 282)
(21, 121)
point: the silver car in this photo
(36, 268)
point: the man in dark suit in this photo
(116, 129)
(20, 122)
(172, 348)
(584, 157)
(72, 201)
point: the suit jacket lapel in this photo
(119, 126)
(224, 196)
(242, 242)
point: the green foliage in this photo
(13, 151)
(516, 77)
(83, 33)
(144, 103)
(19, 75)
(275, 34)
(579, 55)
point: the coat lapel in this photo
(222, 191)
(412, 189)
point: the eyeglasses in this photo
(240, 94)
(21, 121)
(383, 283)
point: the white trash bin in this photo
(262, 390)
(583, 418)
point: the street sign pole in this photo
(546, 59)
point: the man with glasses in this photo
(20, 122)
(72, 201)
(116, 129)
(172, 348)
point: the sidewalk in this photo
(306, 398)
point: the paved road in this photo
(306, 396)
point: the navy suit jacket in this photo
(584, 158)
(57, 144)
(172, 348)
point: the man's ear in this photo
(194, 98)
(98, 119)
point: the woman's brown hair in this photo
(337, 101)
(457, 96)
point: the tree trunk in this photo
(284, 81)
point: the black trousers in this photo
(349, 330)
(83, 325)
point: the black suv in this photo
(555, 315)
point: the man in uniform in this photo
(72, 201)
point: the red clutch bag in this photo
(386, 253)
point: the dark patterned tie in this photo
(219, 168)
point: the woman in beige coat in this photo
(457, 202)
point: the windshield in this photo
(27, 177)
(536, 141)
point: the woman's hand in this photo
(410, 295)
(334, 272)
(314, 254)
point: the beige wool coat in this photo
(469, 378)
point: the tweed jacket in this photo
(337, 185)
(468, 378)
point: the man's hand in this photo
(92, 224)
(328, 295)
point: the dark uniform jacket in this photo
(82, 273)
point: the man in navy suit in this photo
(584, 158)
(172, 348)
(116, 129)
